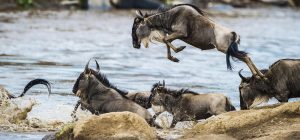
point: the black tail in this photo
(35, 82)
(233, 51)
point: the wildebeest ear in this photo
(139, 14)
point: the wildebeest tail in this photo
(229, 106)
(233, 51)
(36, 82)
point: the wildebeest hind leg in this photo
(252, 67)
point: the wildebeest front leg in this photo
(75, 109)
(173, 124)
(168, 39)
(170, 57)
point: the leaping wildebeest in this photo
(99, 98)
(283, 82)
(189, 24)
(186, 105)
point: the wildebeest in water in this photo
(31, 84)
(187, 105)
(189, 24)
(140, 98)
(283, 82)
(99, 98)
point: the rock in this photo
(13, 111)
(116, 125)
(211, 137)
(164, 120)
(275, 122)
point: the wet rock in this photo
(274, 122)
(66, 132)
(4, 94)
(164, 120)
(211, 137)
(117, 125)
(10, 111)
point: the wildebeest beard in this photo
(102, 78)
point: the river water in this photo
(55, 45)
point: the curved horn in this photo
(86, 68)
(139, 14)
(97, 66)
(242, 77)
(36, 82)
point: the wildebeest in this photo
(31, 84)
(99, 98)
(140, 98)
(283, 82)
(189, 24)
(187, 105)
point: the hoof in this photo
(174, 59)
(180, 49)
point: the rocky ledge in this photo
(109, 126)
(280, 121)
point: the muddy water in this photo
(56, 46)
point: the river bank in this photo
(281, 121)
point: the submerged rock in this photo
(275, 122)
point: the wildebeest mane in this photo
(175, 93)
(102, 78)
(165, 9)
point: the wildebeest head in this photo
(101, 77)
(253, 91)
(140, 30)
(158, 94)
(84, 82)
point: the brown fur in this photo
(188, 106)
(283, 80)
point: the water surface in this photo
(55, 45)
